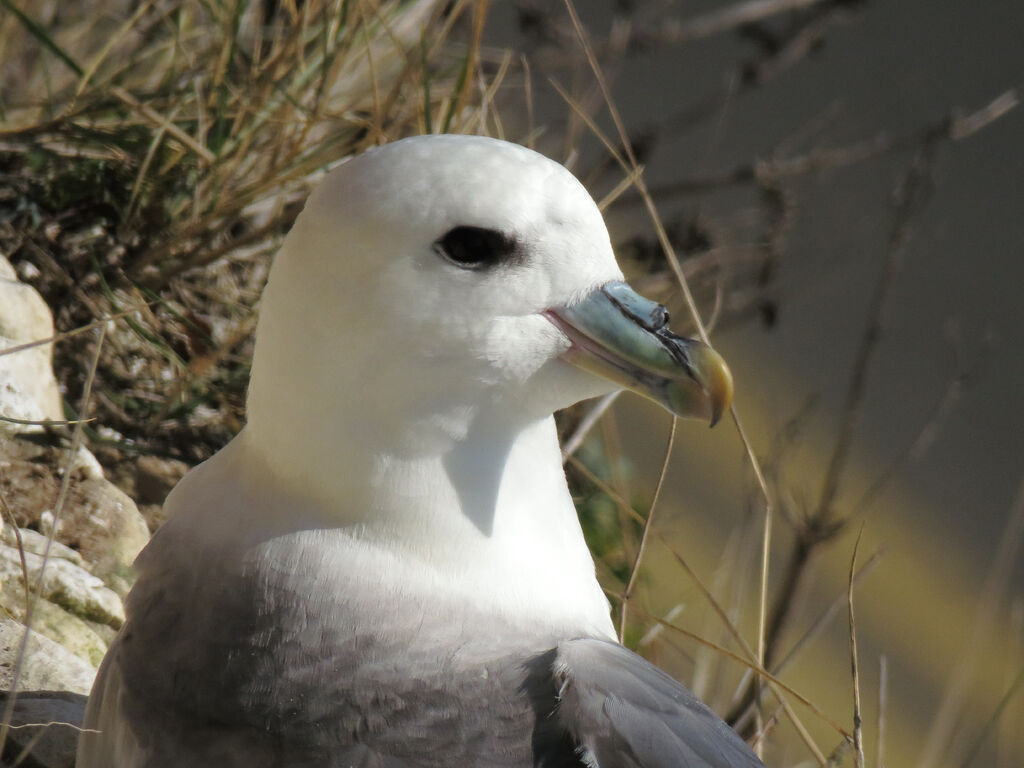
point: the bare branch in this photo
(910, 194)
(952, 127)
(729, 18)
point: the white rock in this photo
(48, 666)
(66, 584)
(76, 635)
(35, 542)
(28, 389)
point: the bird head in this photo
(441, 274)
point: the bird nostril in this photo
(659, 317)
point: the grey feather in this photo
(290, 679)
(625, 712)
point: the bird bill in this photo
(618, 334)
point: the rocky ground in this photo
(68, 537)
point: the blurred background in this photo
(859, 217)
(842, 183)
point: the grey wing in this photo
(621, 710)
(109, 740)
(223, 668)
(120, 731)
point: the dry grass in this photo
(153, 156)
(171, 153)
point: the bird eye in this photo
(475, 247)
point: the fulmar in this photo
(385, 567)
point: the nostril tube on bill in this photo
(649, 314)
(659, 317)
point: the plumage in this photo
(384, 568)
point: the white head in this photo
(371, 314)
(436, 298)
(435, 302)
(363, 305)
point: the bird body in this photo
(384, 568)
(296, 690)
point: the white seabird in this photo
(385, 568)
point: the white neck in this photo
(490, 518)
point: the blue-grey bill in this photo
(618, 334)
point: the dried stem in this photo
(910, 194)
(719, 611)
(944, 724)
(727, 19)
(940, 412)
(823, 523)
(883, 710)
(858, 736)
(951, 127)
(673, 261)
(648, 522)
(586, 424)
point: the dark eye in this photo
(475, 247)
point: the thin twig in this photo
(912, 190)
(749, 664)
(587, 423)
(74, 331)
(823, 524)
(635, 569)
(44, 422)
(730, 626)
(929, 432)
(162, 122)
(952, 127)
(8, 513)
(691, 303)
(883, 708)
(996, 580)
(742, 713)
(727, 19)
(73, 726)
(822, 620)
(663, 238)
(715, 605)
(858, 736)
(997, 713)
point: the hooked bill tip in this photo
(717, 382)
